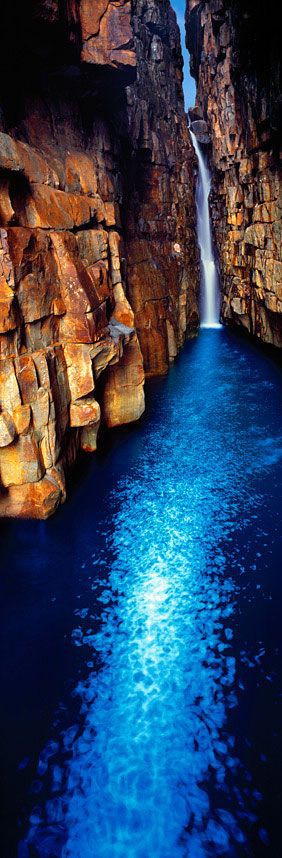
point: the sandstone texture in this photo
(98, 256)
(235, 58)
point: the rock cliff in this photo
(235, 58)
(97, 237)
(160, 224)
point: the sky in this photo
(189, 83)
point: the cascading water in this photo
(209, 278)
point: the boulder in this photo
(200, 129)
(84, 412)
(32, 500)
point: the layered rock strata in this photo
(71, 278)
(235, 58)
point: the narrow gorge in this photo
(140, 321)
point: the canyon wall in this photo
(160, 226)
(235, 59)
(98, 252)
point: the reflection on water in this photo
(152, 753)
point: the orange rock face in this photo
(106, 33)
(235, 59)
(123, 390)
(32, 500)
(98, 259)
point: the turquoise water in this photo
(141, 631)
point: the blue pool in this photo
(141, 631)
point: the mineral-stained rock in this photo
(236, 55)
(123, 394)
(79, 368)
(9, 158)
(88, 438)
(21, 418)
(7, 429)
(32, 500)
(9, 316)
(27, 378)
(9, 388)
(107, 37)
(84, 412)
(40, 408)
(6, 209)
(20, 463)
(97, 231)
(81, 176)
(51, 209)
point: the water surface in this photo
(141, 630)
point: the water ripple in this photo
(152, 766)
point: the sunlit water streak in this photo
(146, 756)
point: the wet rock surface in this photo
(97, 236)
(236, 62)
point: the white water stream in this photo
(209, 280)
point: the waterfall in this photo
(209, 279)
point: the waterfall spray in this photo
(209, 279)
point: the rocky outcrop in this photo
(94, 257)
(236, 59)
